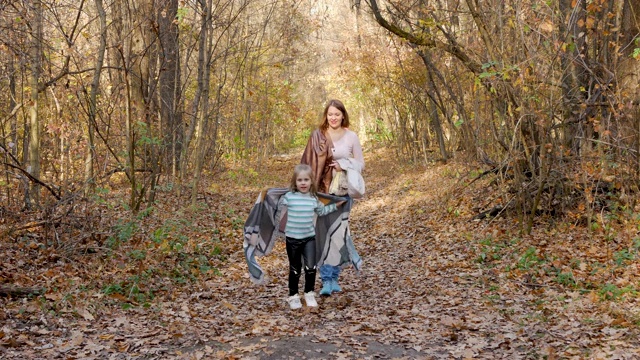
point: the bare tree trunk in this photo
(468, 142)
(169, 81)
(628, 20)
(13, 119)
(12, 104)
(130, 135)
(129, 168)
(204, 74)
(89, 182)
(433, 109)
(204, 58)
(574, 82)
(34, 121)
(116, 37)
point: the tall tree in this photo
(93, 95)
(169, 83)
(36, 22)
(201, 99)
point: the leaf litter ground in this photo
(435, 285)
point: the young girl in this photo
(302, 204)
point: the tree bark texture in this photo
(34, 120)
(169, 83)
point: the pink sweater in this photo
(348, 146)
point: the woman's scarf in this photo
(318, 155)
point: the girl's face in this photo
(303, 182)
(334, 117)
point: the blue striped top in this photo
(300, 213)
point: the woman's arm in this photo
(357, 150)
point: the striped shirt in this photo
(300, 213)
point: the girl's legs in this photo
(309, 256)
(295, 248)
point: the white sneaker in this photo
(310, 299)
(294, 302)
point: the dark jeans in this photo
(297, 251)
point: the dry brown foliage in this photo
(436, 284)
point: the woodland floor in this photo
(435, 284)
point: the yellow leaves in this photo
(214, 188)
(427, 23)
(165, 246)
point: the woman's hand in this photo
(336, 166)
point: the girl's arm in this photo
(322, 209)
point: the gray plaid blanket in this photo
(265, 224)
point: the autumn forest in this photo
(502, 143)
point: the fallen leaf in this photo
(85, 314)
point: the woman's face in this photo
(334, 117)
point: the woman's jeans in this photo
(329, 272)
(297, 251)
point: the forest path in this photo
(422, 294)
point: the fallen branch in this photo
(32, 225)
(493, 212)
(35, 180)
(6, 290)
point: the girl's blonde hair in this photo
(299, 169)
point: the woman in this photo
(330, 149)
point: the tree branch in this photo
(34, 179)
(452, 47)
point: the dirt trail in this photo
(419, 296)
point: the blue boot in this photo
(327, 286)
(334, 286)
